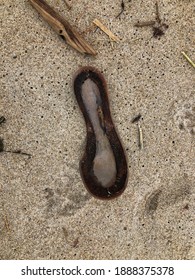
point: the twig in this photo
(62, 27)
(158, 19)
(19, 152)
(12, 152)
(140, 133)
(106, 30)
(136, 118)
(144, 23)
(1, 145)
(122, 9)
(188, 59)
(2, 119)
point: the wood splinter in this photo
(106, 30)
(62, 27)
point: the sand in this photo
(45, 210)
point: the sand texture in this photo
(45, 210)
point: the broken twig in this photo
(62, 27)
(106, 30)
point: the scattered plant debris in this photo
(158, 26)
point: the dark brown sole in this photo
(103, 166)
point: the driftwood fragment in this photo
(62, 27)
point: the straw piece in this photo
(106, 30)
(188, 59)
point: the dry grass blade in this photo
(106, 30)
(62, 27)
(140, 133)
(188, 59)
